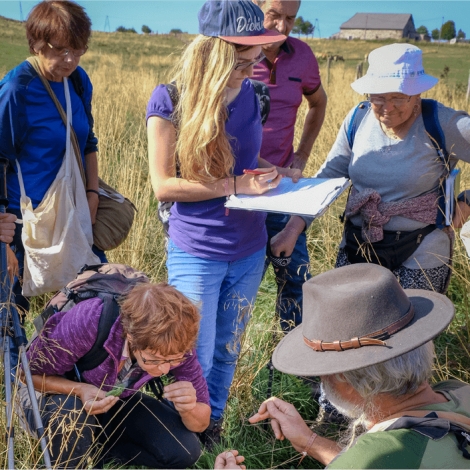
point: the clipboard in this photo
(309, 197)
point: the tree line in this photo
(303, 27)
(446, 32)
(306, 28)
(146, 30)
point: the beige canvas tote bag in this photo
(57, 235)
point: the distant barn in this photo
(379, 26)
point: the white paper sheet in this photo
(465, 236)
(452, 191)
(309, 197)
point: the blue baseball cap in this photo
(236, 21)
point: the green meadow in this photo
(124, 69)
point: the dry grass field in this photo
(124, 70)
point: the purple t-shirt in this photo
(201, 228)
(293, 74)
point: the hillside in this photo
(134, 48)
(131, 47)
(456, 57)
(13, 44)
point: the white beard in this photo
(346, 408)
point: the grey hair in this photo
(398, 376)
(263, 3)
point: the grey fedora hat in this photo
(357, 316)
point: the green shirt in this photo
(405, 448)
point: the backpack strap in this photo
(76, 80)
(456, 418)
(438, 141)
(434, 129)
(356, 119)
(264, 99)
(435, 425)
(97, 354)
(174, 97)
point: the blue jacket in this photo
(32, 131)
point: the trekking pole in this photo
(11, 326)
(7, 375)
(6, 330)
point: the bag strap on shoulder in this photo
(435, 425)
(433, 128)
(264, 99)
(451, 416)
(438, 141)
(97, 354)
(35, 64)
(356, 119)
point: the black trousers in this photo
(138, 431)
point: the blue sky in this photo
(163, 15)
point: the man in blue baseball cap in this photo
(290, 70)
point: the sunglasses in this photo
(245, 65)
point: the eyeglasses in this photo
(380, 100)
(245, 65)
(64, 52)
(160, 362)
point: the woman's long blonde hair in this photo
(202, 146)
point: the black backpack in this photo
(106, 281)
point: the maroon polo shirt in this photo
(293, 74)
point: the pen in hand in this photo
(256, 172)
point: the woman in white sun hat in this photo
(393, 213)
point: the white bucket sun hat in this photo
(396, 68)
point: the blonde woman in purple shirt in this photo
(198, 153)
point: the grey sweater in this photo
(400, 169)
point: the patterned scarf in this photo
(375, 214)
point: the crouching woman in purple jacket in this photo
(154, 335)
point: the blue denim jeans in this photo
(225, 293)
(289, 279)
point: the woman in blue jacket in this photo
(31, 129)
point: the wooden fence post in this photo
(359, 70)
(328, 65)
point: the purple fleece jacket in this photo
(68, 336)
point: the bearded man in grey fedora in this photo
(370, 341)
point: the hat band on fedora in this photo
(373, 339)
